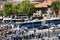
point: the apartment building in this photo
(42, 6)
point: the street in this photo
(53, 35)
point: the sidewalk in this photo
(42, 31)
(37, 31)
(46, 38)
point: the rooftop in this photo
(39, 4)
(43, 4)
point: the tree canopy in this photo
(7, 10)
(24, 7)
(55, 6)
(15, 9)
(1, 12)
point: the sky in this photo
(19, 0)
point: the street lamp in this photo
(45, 22)
(48, 30)
(49, 16)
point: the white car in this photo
(52, 28)
(56, 27)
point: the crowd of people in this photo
(26, 37)
(30, 36)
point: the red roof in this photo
(38, 5)
(49, 2)
(1, 5)
(43, 4)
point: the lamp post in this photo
(45, 22)
(33, 25)
(49, 16)
(48, 30)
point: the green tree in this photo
(26, 8)
(15, 9)
(55, 6)
(7, 10)
(1, 12)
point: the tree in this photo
(1, 12)
(55, 6)
(7, 10)
(26, 8)
(14, 9)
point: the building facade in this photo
(42, 6)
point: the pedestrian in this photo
(7, 39)
(39, 35)
(47, 39)
(34, 31)
(42, 36)
(5, 35)
(32, 35)
(12, 37)
(53, 38)
(36, 35)
(45, 34)
(56, 39)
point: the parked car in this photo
(55, 27)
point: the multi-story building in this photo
(42, 6)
